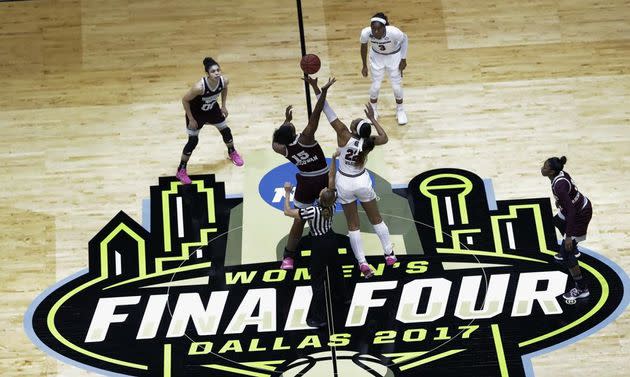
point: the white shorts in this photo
(380, 63)
(350, 189)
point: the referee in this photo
(324, 241)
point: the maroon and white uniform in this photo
(313, 174)
(574, 208)
(205, 108)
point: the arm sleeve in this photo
(328, 111)
(561, 191)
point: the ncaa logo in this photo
(271, 186)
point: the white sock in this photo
(383, 234)
(357, 245)
(399, 106)
(374, 105)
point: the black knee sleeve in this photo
(227, 135)
(560, 224)
(190, 145)
(568, 256)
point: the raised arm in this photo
(313, 122)
(343, 134)
(288, 211)
(381, 138)
(333, 170)
(277, 147)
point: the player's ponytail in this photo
(364, 128)
(366, 144)
(557, 164)
(208, 62)
(327, 202)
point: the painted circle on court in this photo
(271, 186)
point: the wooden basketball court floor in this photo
(91, 116)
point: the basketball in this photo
(310, 64)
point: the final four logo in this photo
(475, 292)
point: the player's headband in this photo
(361, 123)
(378, 19)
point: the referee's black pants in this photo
(324, 254)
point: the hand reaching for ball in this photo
(331, 81)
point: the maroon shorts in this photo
(582, 219)
(307, 189)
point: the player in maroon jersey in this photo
(574, 215)
(305, 152)
(201, 107)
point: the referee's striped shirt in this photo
(318, 223)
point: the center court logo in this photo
(477, 297)
(271, 186)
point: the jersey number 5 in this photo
(301, 156)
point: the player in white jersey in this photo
(388, 52)
(353, 182)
